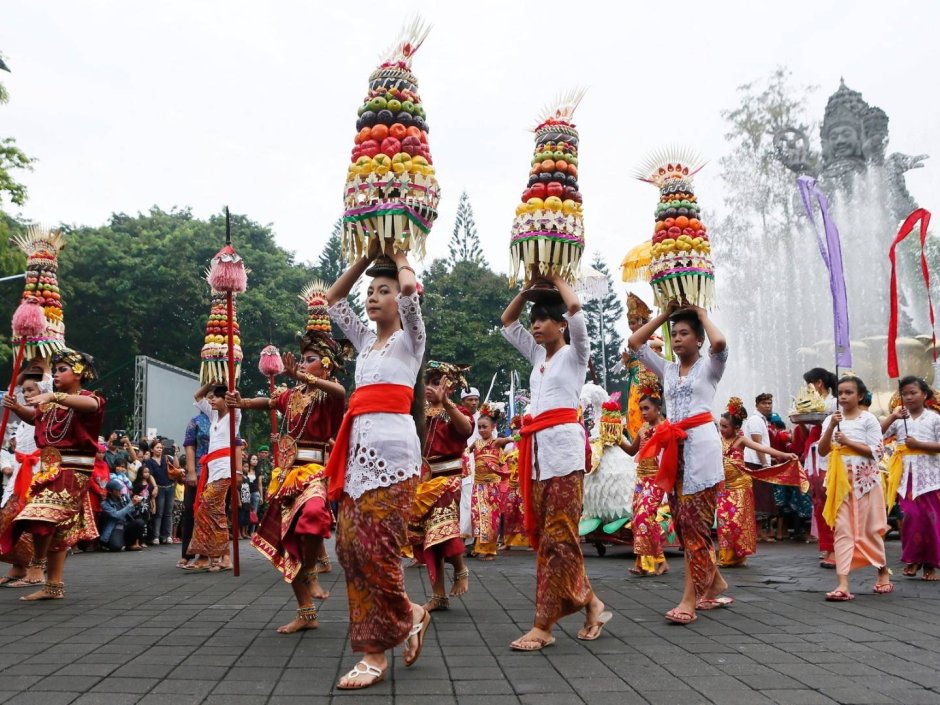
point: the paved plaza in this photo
(135, 629)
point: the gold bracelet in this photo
(59, 397)
(408, 267)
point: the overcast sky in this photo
(251, 104)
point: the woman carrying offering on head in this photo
(376, 462)
(690, 464)
(552, 459)
(211, 531)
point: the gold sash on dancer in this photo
(896, 471)
(838, 484)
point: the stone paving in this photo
(134, 629)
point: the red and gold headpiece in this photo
(649, 386)
(735, 408)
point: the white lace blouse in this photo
(923, 470)
(555, 384)
(688, 396)
(383, 448)
(865, 473)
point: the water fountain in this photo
(775, 299)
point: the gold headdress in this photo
(736, 409)
(318, 334)
(648, 384)
(636, 307)
(81, 363)
(455, 373)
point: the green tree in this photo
(461, 313)
(12, 158)
(331, 264)
(602, 316)
(464, 243)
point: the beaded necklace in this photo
(66, 422)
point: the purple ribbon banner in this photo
(831, 251)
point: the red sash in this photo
(531, 426)
(204, 476)
(24, 476)
(371, 399)
(666, 437)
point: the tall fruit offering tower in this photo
(42, 246)
(681, 267)
(548, 230)
(391, 192)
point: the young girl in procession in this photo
(648, 536)
(489, 472)
(67, 423)
(552, 460)
(24, 570)
(690, 469)
(374, 467)
(298, 516)
(914, 475)
(805, 444)
(211, 531)
(434, 526)
(511, 507)
(855, 501)
(737, 519)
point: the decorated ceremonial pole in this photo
(271, 365)
(29, 321)
(227, 275)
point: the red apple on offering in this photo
(391, 146)
(539, 190)
(555, 189)
(369, 148)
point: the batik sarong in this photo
(737, 525)
(370, 534)
(647, 532)
(694, 515)
(485, 517)
(561, 585)
(210, 534)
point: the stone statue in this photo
(854, 140)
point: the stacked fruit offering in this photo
(681, 267)
(391, 192)
(548, 230)
(41, 246)
(214, 353)
(611, 421)
(318, 316)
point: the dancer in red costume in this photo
(434, 527)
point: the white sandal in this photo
(377, 674)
